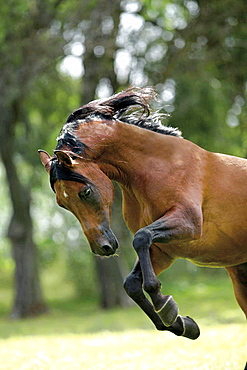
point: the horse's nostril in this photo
(107, 249)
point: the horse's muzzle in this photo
(102, 241)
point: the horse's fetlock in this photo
(168, 312)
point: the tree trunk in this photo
(28, 297)
(111, 276)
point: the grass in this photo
(221, 347)
(77, 335)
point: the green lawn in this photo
(77, 335)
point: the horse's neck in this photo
(124, 152)
(127, 152)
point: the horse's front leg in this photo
(183, 326)
(165, 306)
(133, 287)
(172, 227)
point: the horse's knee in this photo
(152, 286)
(142, 239)
(132, 286)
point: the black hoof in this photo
(190, 328)
(169, 311)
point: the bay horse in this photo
(179, 200)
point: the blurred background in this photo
(56, 55)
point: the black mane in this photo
(117, 107)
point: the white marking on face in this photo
(65, 194)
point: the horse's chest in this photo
(136, 219)
(136, 213)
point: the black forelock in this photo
(60, 172)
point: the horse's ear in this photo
(45, 159)
(64, 158)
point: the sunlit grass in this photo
(221, 347)
(76, 334)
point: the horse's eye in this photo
(85, 193)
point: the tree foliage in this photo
(194, 53)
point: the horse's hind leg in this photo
(238, 275)
(182, 326)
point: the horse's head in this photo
(82, 188)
